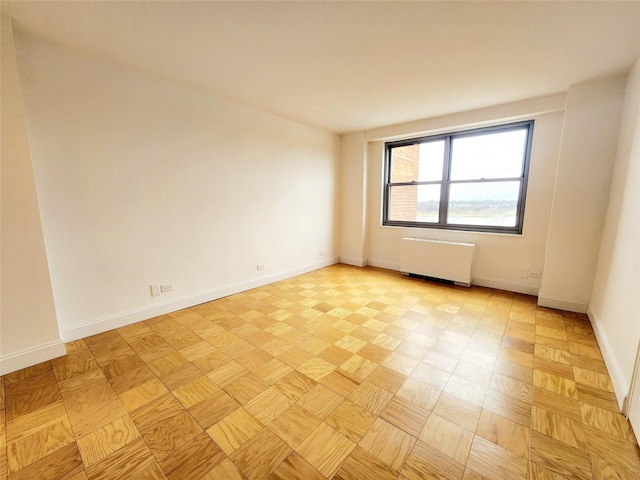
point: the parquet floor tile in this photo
(131, 379)
(268, 405)
(559, 457)
(294, 425)
(107, 439)
(614, 449)
(63, 463)
(131, 461)
(326, 449)
(294, 467)
(167, 435)
(558, 427)
(28, 372)
(196, 391)
(388, 443)
(371, 397)
(198, 457)
(294, 385)
(96, 417)
(508, 407)
(462, 413)
(494, 462)
(246, 388)
(387, 379)
(425, 462)
(180, 376)
(143, 394)
(362, 465)
(603, 469)
(261, 455)
(234, 430)
(504, 432)
(466, 390)
(30, 394)
(405, 415)
(447, 437)
(342, 373)
(210, 411)
(45, 440)
(225, 469)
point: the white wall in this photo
(354, 191)
(28, 328)
(589, 140)
(144, 181)
(615, 303)
(499, 259)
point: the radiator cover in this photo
(438, 259)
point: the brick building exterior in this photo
(405, 163)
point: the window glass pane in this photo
(431, 158)
(414, 203)
(491, 203)
(404, 163)
(492, 155)
(420, 162)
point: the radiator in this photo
(432, 258)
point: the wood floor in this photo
(341, 373)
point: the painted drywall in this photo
(615, 303)
(499, 259)
(587, 155)
(28, 327)
(144, 181)
(353, 154)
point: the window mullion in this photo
(415, 184)
(444, 188)
(488, 180)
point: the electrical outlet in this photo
(166, 287)
(524, 273)
(534, 274)
(155, 289)
(260, 266)
(321, 253)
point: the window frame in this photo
(445, 182)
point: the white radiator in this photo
(432, 258)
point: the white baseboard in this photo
(621, 385)
(383, 264)
(502, 285)
(558, 304)
(127, 318)
(479, 281)
(353, 261)
(31, 356)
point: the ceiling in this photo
(348, 66)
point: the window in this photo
(473, 180)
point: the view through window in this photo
(472, 180)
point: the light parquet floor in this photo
(341, 373)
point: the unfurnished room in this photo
(320, 240)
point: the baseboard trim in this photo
(620, 384)
(383, 264)
(127, 318)
(558, 304)
(31, 356)
(353, 262)
(479, 281)
(507, 286)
